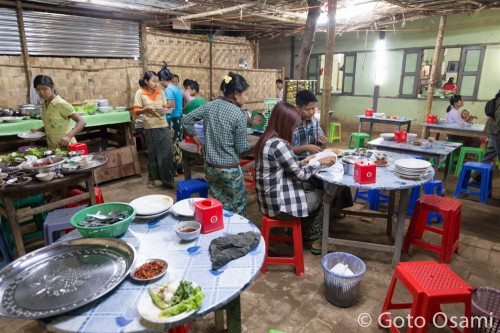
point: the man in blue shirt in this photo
(308, 136)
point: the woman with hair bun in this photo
(454, 116)
(150, 102)
(224, 124)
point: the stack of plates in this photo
(411, 168)
(152, 206)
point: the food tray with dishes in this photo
(63, 276)
(83, 163)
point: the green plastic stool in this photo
(359, 140)
(275, 331)
(454, 156)
(468, 150)
(334, 136)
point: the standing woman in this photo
(173, 96)
(453, 116)
(224, 124)
(147, 101)
(56, 114)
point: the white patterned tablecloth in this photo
(117, 311)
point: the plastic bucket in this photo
(342, 290)
(486, 310)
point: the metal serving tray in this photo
(63, 276)
(96, 162)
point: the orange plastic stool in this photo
(451, 210)
(250, 181)
(298, 256)
(99, 199)
(430, 284)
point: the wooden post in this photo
(376, 94)
(256, 57)
(24, 48)
(327, 80)
(144, 47)
(308, 39)
(283, 75)
(210, 56)
(435, 58)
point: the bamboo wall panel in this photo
(117, 79)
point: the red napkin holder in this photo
(208, 213)
(365, 172)
(368, 113)
(400, 136)
(431, 119)
(79, 146)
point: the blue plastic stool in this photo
(57, 221)
(414, 195)
(4, 250)
(186, 188)
(485, 187)
(374, 197)
(418, 157)
(434, 187)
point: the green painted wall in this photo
(463, 29)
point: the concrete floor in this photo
(280, 300)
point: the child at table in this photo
(465, 114)
(56, 114)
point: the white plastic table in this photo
(117, 311)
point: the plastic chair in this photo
(485, 188)
(374, 197)
(467, 150)
(298, 255)
(249, 173)
(431, 285)
(451, 210)
(180, 329)
(359, 140)
(4, 250)
(335, 136)
(185, 188)
(99, 199)
(434, 187)
(57, 221)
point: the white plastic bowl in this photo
(190, 235)
(105, 109)
(46, 177)
(387, 136)
(121, 108)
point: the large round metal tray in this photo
(63, 276)
(96, 162)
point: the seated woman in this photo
(283, 191)
(453, 116)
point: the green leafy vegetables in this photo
(185, 298)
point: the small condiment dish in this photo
(188, 230)
(381, 157)
(140, 264)
(46, 177)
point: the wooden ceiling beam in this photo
(278, 18)
(215, 12)
(125, 6)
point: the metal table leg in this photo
(398, 239)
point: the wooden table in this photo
(190, 156)
(11, 194)
(386, 180)
(397, 122)
(440, 149)
(476, 130)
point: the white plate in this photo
(149, 311)
(152, 204)
(182, 207)
(12, 119)
(324, 153)
(412, 163)
(152, 216)
(31, 136)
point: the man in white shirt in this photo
(279, 85)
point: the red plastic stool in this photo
(451, 210)
(99, 199)
(298, 256)
(180, 329)
(250, 181)
(431, 284)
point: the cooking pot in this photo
(30, 110)
(103, 102)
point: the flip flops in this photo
(316, 248)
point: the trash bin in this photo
(342, 290)
(486, 310)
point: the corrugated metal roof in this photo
(68, 35)
(10, 42)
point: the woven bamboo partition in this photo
(117, 79)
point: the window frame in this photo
(353, 74)
(415, 74)
(477, 73)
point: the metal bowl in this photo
(54, 160)
(348, 163)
